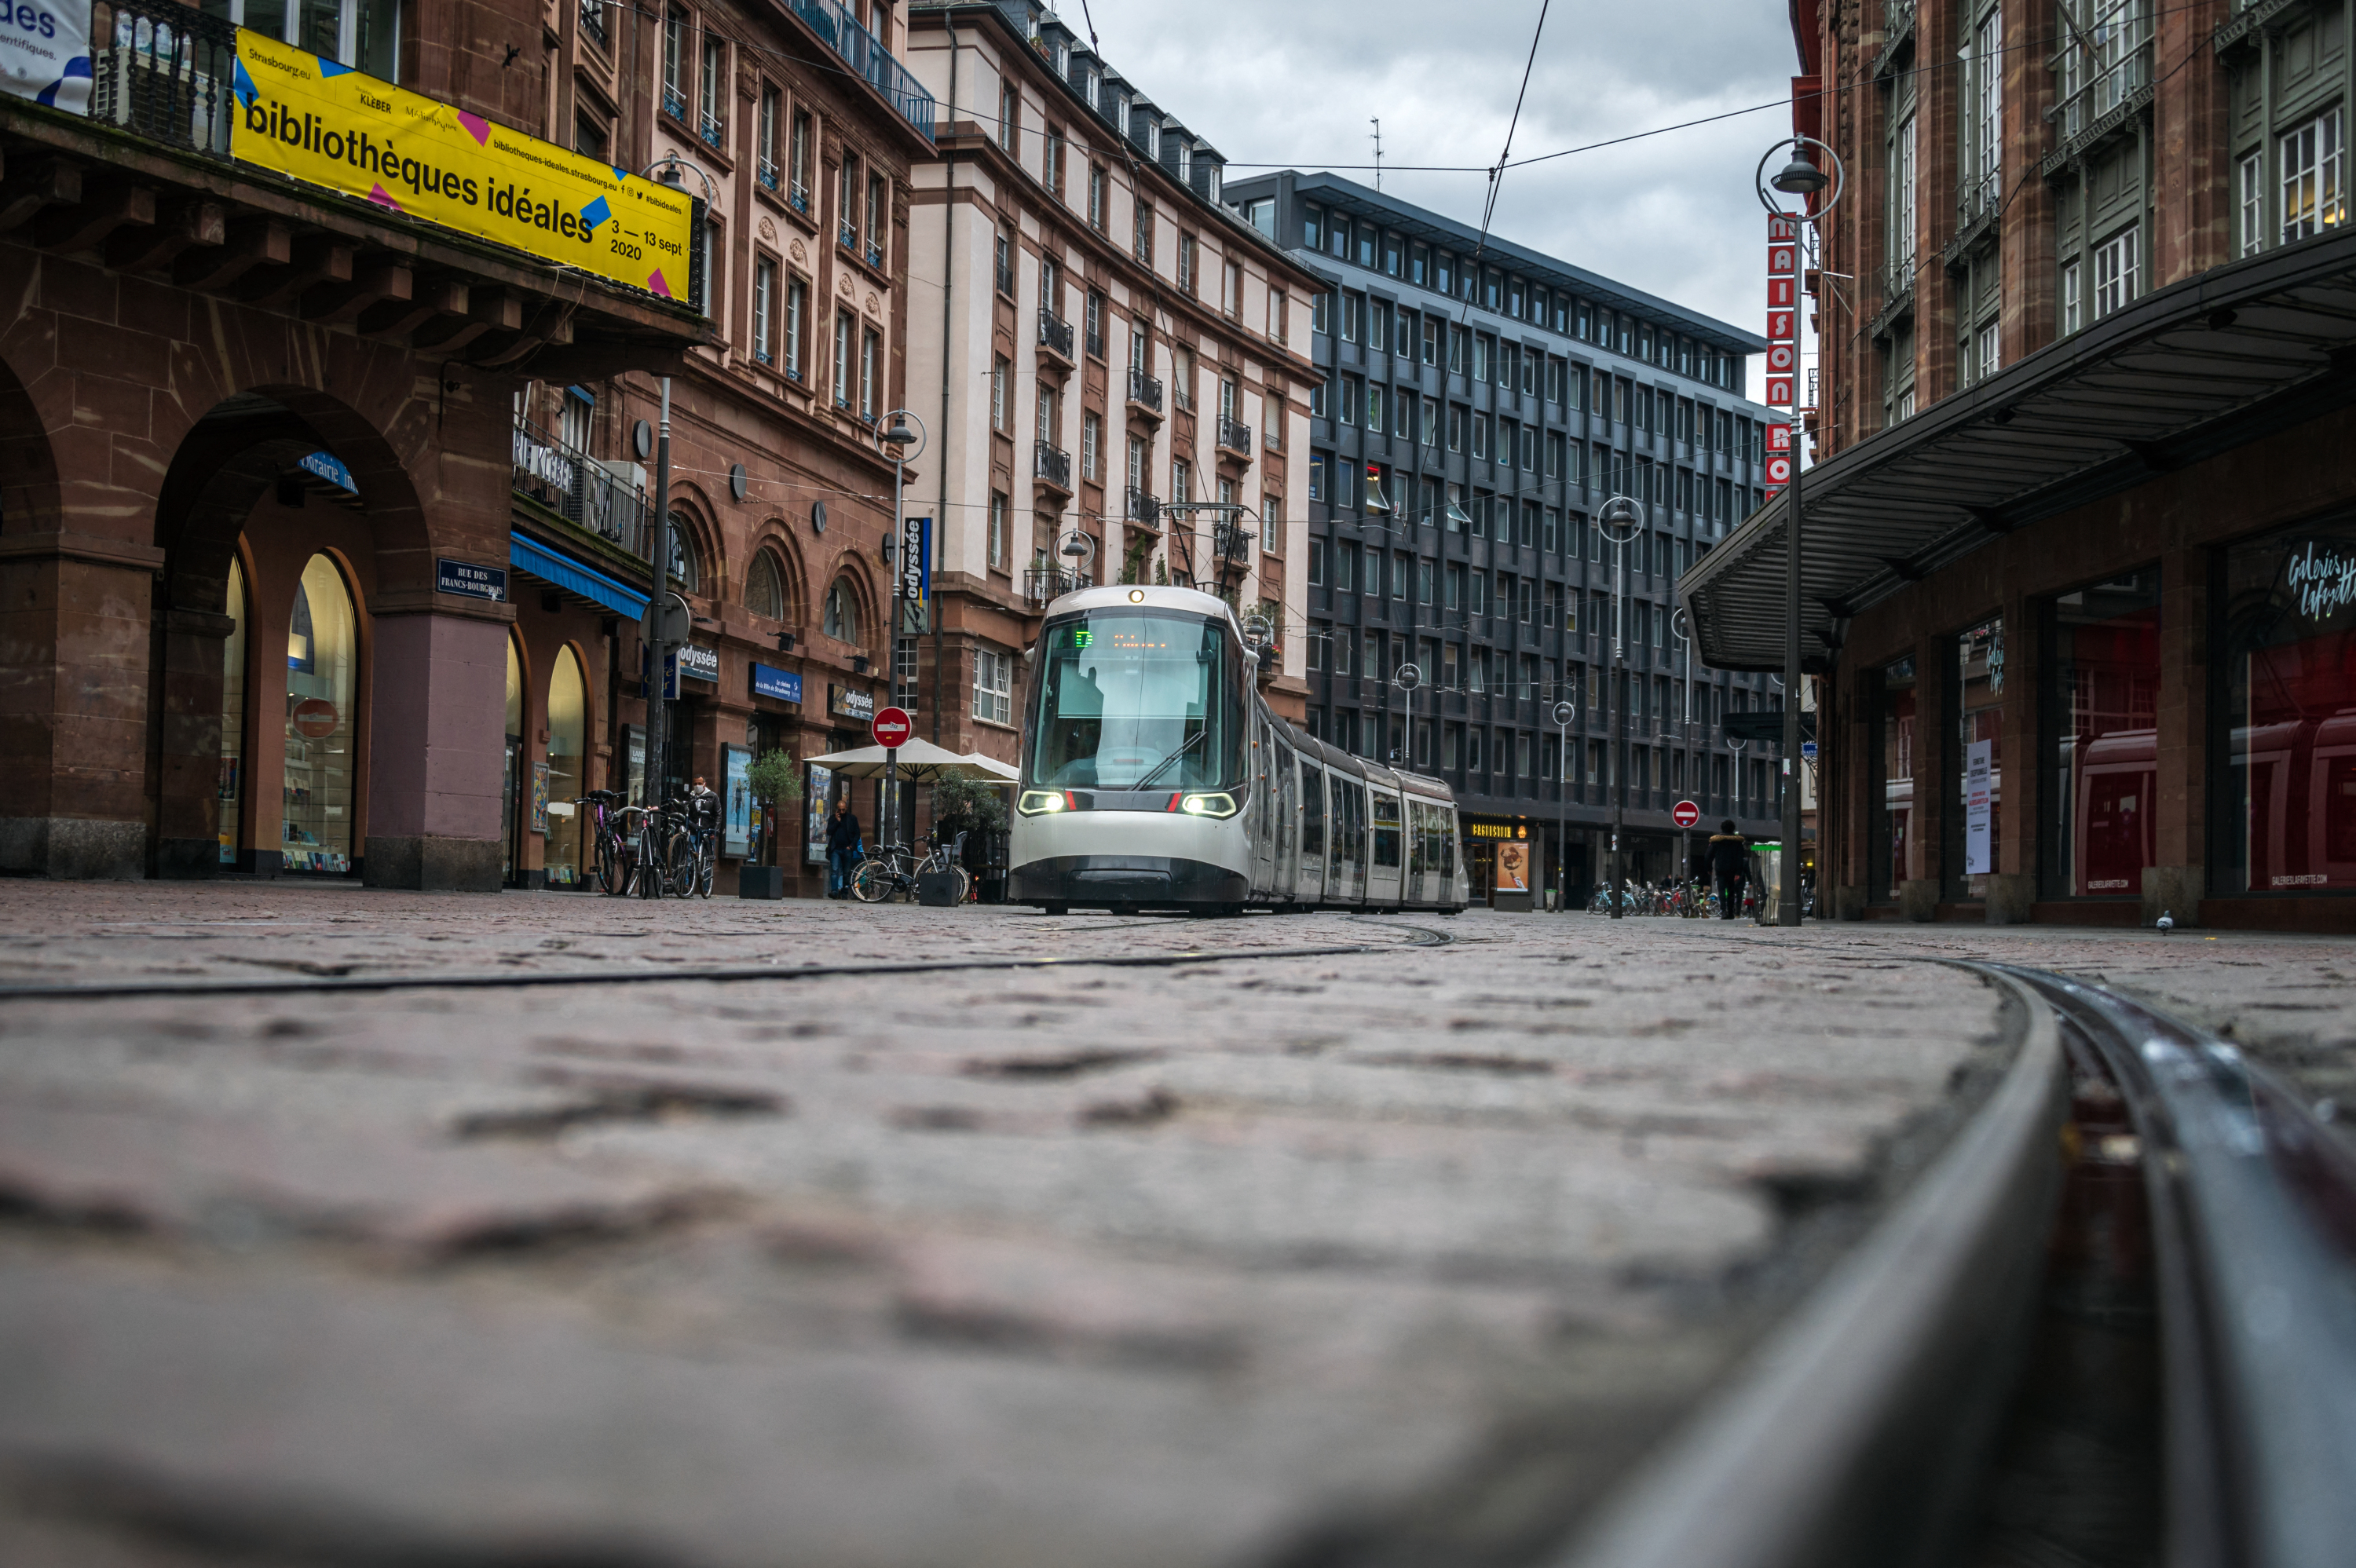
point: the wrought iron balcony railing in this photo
(768, 176)
(1055, 334)
(581, 489)
(2120, 65)
(1052, 465)
(714, 134)
(593, 19)
(1144, 391)
(1043, 585)
(868, 57)
(846, 237)
(1234, 435)
(674, 103)
(798, 198)
(1231, 541)
(1142, 508)
(163, 71)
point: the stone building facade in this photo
(2075, 541)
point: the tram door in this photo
(1287, 824)
(1383, 878)
(1309, 884)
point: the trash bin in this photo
(937, 890)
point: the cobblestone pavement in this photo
(1244, 1255)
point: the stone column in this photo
(188, 744)
(2012, 888)
(2176, 884)
(74, 646)
(437, 703)
(1918, 886)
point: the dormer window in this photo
(1153, 139)
(1185, 164)
(1089, 80)
(1214, 188)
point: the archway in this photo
(511, 779)
(568, 746)
(234, 786)
(322, 757)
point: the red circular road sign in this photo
(890, 728)
(1686, 814)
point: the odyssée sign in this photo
(327, 125)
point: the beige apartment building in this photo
(1102, 354)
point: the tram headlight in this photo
(1220, 804)
(1040, 802)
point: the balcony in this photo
(1235, 436)
(767, 175)
(1051, 466)
(2101, 98)
(868, 57)
(1056, 336)
(582, 490)
(1140, 509)
(1144, 392)
(1897, 281)
(798, 198)
(675, 103)
(1043, 585)
(875, 257)
(1231, 542)
(714, 134)
(593, 20)
(846, 236)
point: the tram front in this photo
(1134, 771)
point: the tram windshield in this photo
(1138, 701)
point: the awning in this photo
(564, 572)
(2182, 374)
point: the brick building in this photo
(249, 425)
(1111, 348)
(2077, 540)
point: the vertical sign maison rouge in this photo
(1782, 344)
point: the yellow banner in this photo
(329, 125)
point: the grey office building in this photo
(1480, 402)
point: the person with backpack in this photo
(1728, 857)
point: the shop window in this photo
(1976, 813)
(2290, 684)
(322, 659)
(229, 790)
(2100, 740)
(684, 566)
(841, 613)
(1893, 790)
(568, 746)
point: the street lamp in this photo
(1620, 513)
(664, 629)
(1801, 177)
(1681, 628)
(904, 446)
(1563, 713)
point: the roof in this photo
(2185, 373)
(1421, 221)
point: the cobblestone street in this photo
(1265, 1240)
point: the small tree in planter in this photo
(971, 806)
(772, 778)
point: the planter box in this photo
(760, 881)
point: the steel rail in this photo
(1861, 1426)
(1418, 936)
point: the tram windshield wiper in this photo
(1185, 746)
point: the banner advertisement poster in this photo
(1978, 801)
(634, 774)
(817, 807)
(916, 575)
(540, 797)
(736, 801)
(327, 125)
(1513, 866)
(44, 52)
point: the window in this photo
(765, 588)
(1010, 114)
(845, 365)
(1318, 464)
(766, 135)
(2114, 273)
(797, 170)
(2253, 204)
(870, 368)
(846, 203)
(1321, 313)
(1187, 265)
(999, 376)
(1231, 289)
(2314, 187)
(715, 90)
(993, 686)
(1316, 566)
(674, 65)
(1271, 523)
(997, 530)
(1051, 165)
(1097, 198)
(1317, 400)
(765, 284)
(1982, 180)
(879, 218)
(1432, 328)
(842, 619)
(1004, 262)
(1141, 242)
(1354, 316)
(1091, 439)
(1987, 353)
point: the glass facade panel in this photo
(322, 659)
(2101, 739)
(511, 775)
(2290, 674)
(1974, 836)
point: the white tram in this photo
(1155, 777)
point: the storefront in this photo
(1517, 874)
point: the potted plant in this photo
(772, 778)
(974, 808)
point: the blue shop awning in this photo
(564, 572)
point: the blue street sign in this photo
(785, 685)
(470, 580)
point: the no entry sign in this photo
(890, 728)
(1684, 813)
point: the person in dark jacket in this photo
(841, 849)
(1729, 867)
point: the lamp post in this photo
(1562, 713)
(1802, 178)
(1680, 629)
(1620, 513)
(661, 637)
(904, 446)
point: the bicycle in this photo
(880, 878)
(613, 865)
(694, 862)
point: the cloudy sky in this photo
(1295, 81)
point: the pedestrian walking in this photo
(841, 849)
(1729, 864)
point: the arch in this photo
(691, 521)
(323, 692)
(29, 494)
(843, 616)
(765, 585)
(775, 537)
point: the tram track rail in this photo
(734, 974)
(1862, 1430)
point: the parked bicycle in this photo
(892, 871)
(614, 851)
